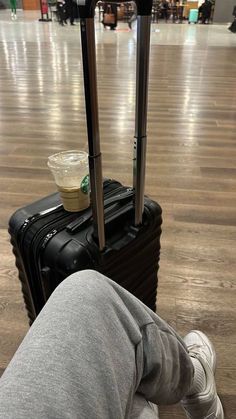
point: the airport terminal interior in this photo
(191, 153)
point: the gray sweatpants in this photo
(95, 352)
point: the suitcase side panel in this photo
(134, 266)
(26, 291)
(135, 269)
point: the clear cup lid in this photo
(67, 159)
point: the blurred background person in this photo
(165, 9)
(133, 18)
(110, 15)
(13, 9)
(61, 12)
(232, 27)
(70, 10)
(205, 11)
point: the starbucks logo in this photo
(85, 185)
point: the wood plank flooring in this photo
(191, 169)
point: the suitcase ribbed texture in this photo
(134, 266)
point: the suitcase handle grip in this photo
(123, 198)
(91, 102)
(87, 7)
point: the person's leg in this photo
(60, 14)
(65, 15)
(13, 7)
(133, 17)
(132, 20)
(72, 18)
(88, 352)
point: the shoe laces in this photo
(196, 349)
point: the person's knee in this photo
(87, 284)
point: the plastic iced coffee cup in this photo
(71, 173)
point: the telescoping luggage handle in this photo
(87, 12)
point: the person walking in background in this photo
(232, 27)
(173, 6)
(133, 18)
(69, 10)
(110, 15)
(61, 12)
(205, 11)
(165, 10)
(96, 351)
(13, 9)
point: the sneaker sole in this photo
(220, 411)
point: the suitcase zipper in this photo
(74, 227)
(31, 220)
(48, 231)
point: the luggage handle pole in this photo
(91, 99)
(140, 139)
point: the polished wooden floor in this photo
(191, 161)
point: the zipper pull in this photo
(47, 238)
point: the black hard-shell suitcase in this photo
(50, 243)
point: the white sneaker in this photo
(204, 405)
(155, 409)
